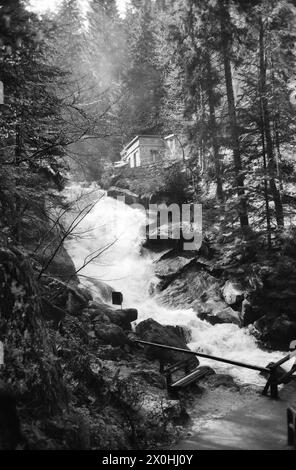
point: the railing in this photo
(272, 369)
(291, 423)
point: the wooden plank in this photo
(196, 374)
(191, 362)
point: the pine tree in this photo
(267, 114)
(32, 138)
(227, 54)
(141, 79)
(188, 29)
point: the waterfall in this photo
(116, 231)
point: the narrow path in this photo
(231, 420)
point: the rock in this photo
(26, 340)
(168, 268)
(146, 375)
(156, 245)
(232, 293)
(103, 290)
(171, 267)
(76, 301)
(150, 330)
(84, 292)
(102, 318)
(96, 305)
(69, 428)
(52, 312)
(61, 266)
(182, 331)
(193, 283)
(71, 298)
(248, 313)
(277, 332)
(216, 312)
(10, 432)
(111, 334)
(278, 300)
(121, 317)
(124, 317)
(141, 392)
(221, 380)
(110, 353)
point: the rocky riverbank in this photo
(227, 283)
(233, 278)
(73, 372)
(73, 377)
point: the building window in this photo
(153, 154)
(134, 159)
(137, 158)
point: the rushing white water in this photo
(116, 231)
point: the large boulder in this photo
(170, 266)
(141, 392)
(60, 265)
(232, 293)
(194, 282)
(214, 380)
(78, 298)
(154, 332)
(111, 334)
(215, 311)
(30, 367)
(122, 318)
(249, 313)
(102, 290)
(275, 331)
(70, 298)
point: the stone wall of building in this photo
(147, 149)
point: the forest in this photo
(220, 75)
(77, 84)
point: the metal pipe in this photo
(215, 358)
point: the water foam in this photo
(117, 230)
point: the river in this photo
(128, 268)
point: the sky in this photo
(43, 5)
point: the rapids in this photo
(115, 231)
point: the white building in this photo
(145, 150)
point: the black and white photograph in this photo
(147, 230)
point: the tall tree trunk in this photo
(271, 164)
(266, 196)
(18, 144)
(202, 146)
(213, 125)
(279, 156)
(226, 40)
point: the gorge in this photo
(131, 269)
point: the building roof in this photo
(120, 164)
(169, 136)
(137, 138)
